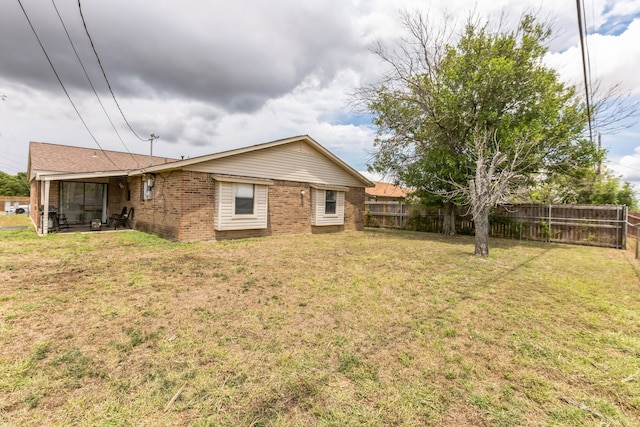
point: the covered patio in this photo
(74, 188)
(76, 201)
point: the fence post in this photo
(549, 228)
(520, 227)
(637, 238)
(625, 209)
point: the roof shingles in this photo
(64, 158)
(384, 189)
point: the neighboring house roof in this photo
(44, 157)
(385, 189)
(51, 160)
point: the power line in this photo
(105, 74)
(89, 80)
(62, 84)
(588, 56)
(14, 155)
(584, 70)
(15, 162)
(623, 165)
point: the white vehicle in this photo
(19, 209)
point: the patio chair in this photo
(114, 219)
(125, 219)
(62, 221)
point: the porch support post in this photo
(45, 208)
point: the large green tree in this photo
(14, 185)
(475, 119)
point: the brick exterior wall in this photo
(116, 196)
(197, 206)
(183, 207)
(354, 209)
(289, 209)
(34, 199)
(34, 195)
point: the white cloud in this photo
(628, 166)
(210, 76)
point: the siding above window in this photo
(242, 179)
(329, 187)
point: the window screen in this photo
(244, 194)
(330, 201)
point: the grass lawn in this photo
(370, 328)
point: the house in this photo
(386, 205)
(385, 192)
(288, 186)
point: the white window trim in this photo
(240, 217)
(334, 214)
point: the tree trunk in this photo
(449, 220)
(482, 233)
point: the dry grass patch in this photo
(382, 328)
(14, 220)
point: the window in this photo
(244, 196)
(327, 205)
(330, 202)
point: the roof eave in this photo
(61, 176)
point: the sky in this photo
(217, 75)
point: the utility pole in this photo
(599, 167)
(153, 136)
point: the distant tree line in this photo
(583, 186)
(14, 185)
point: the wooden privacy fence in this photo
(596, 225)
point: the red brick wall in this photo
(289, 210)
(116, 196)
(197, 204)
(183, 208)
(354, 209)
(54, 195)
(34, 199)
(151, 216)
(34, 196)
